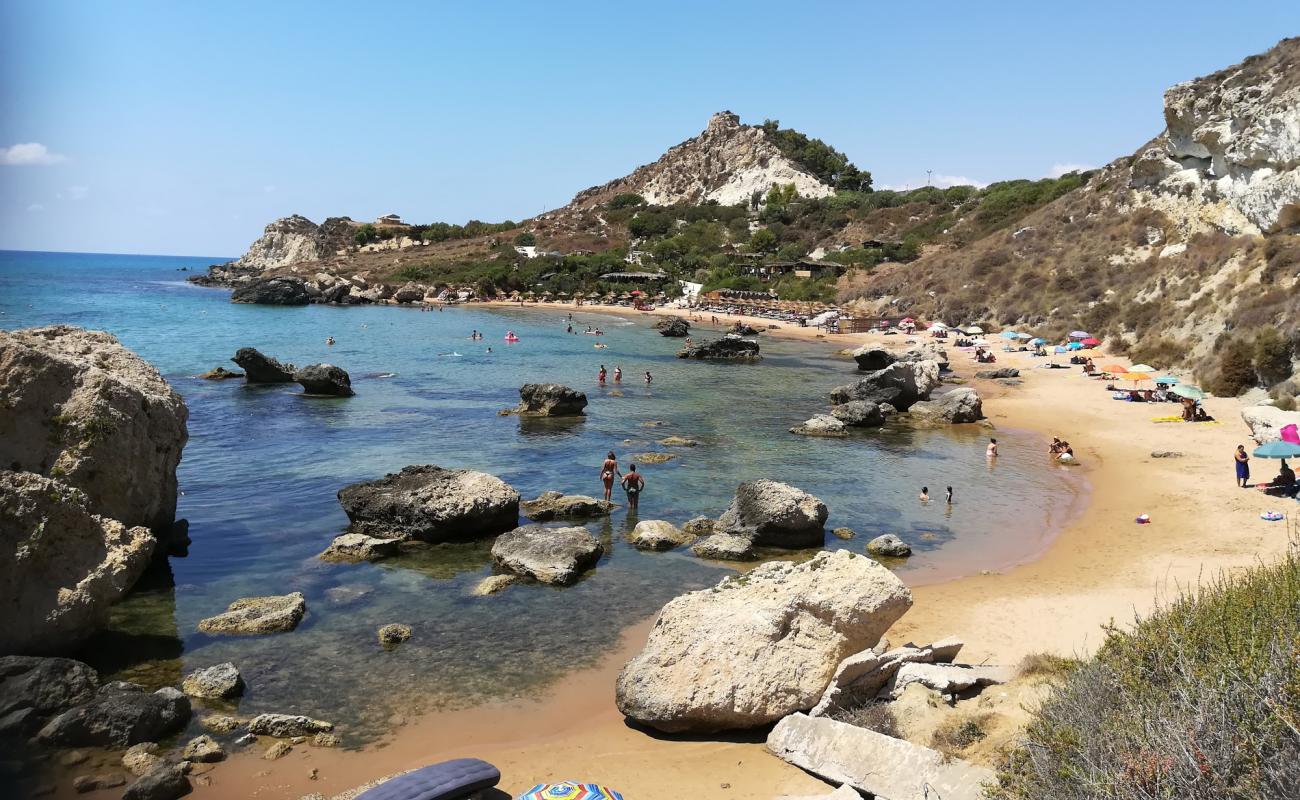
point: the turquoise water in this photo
(263, 464)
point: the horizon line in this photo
(220, 259)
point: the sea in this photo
(263, 465)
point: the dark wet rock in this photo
(220, 374)
(203, 749)
(351, 548)
(699, 526)
(773, 514)
(725, 547)
(324, 379)
(889, 545)
(272, 292)
(729, 348)
(285, 725)
(94, 783)
(554, 505)
(44, 686)
(859, 414)
(217, 681)
(1002, 372)
(257, 615)
(120, 715)
(821, 425)
(432, 504)
(871, 358)
(394, 633)
(550, 555)
(675, 327)
(741, 329)
(900, 385)
(167, 782)
(550, 400)
(951, 408)
(656, 534)
(260, 368)
(63, 566)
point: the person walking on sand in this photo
(633, 483)
(1243, 467)
(607, 472)
(992, 450)
(600, 376)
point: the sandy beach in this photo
(1102, 567)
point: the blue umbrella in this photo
(1009, 335)
(1059, 349)
(1169, 379)
(1038, 341)
(1074, 346)
(1278, 449)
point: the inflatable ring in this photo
(1271, 516)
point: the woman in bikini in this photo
(607, 472)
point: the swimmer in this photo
(992, 450)
(948, 498)
(925, 494)
(649, 379)
(329, 340)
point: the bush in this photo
(1235, 372)
(626, 200)
(1272, 356)
(525, 239)
(874, 716)
(365, 234)
(1199, 701)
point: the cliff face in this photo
(726, 163)
(296, 239)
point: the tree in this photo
(1272, 356)
(526, 239)
(1236, 369)
(763, 241)
(778, 197)
(365, 234)
(626, 200)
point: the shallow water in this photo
(263, 464)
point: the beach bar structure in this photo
(854, 325)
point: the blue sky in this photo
(184, 128)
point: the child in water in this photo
(992, 451)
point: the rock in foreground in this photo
(550, 555)
(432, 504)
(255, 615)
(120, 715)
(656, 534)
(272, 292)
(324, 379)
(873, 762)
(773, 514)
(675, 327)
(259, 368)
(889, 545)
(553, 505)
(215, 682)
(61, 567)
(550, 400)
(760, 646)
(728, 348)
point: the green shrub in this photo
(365, 234)
(626, 200)
(1272, 356)
(526, 239)
(1200, 701)
(1235, 370)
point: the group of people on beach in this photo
(1061, 450)
(632, 482)
(1284, 485)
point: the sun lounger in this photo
(448, 780)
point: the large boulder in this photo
(120, 715)
(950, 408)
(900, 385)
(821, 425)
(432, 504)
(880, 765)
(257, 615)
(926, 351)
(889, 545)
(550, 400)
(871, 358)
(673, 326)
(80, 407)
(760, 646)
(859, 414)
(1266, 422)
(550, 555)
(656, 534)
(32, 689)
(272, 292)
(259, 368)
(324, 379)
(728, 348)
(773, 514)
(61, 566)
(554, 505)
(409, 293)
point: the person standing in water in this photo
(618, 374)
(992, 450)
(607, 472)
(649, 379)
(633, 483)
(948, 497)
(925, 494)
(600, 376)
(1243, 467)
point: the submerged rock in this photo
(351, 548)
(259, 368)
(554, 505)
(677, 441)
(889, 545)
(550, 555)
(821, 425)
(394, 633)
(120, 715)
(432, 504)
(250, 615)
(220, 374)
(773, 514)
(656, 534)
(758, 646)
(62, 566)
(550, 400)
(673, 326)
(324, 379)
(493, 584)
(215, 682)
(272, 292)
(729, 348)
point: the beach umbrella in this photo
(1169, 379)
(1092, 341)
(1114, 369)
(940, 325)
(1135, 376)
(1038, 340)
(1009, 335)
(570, 791)
(936, 329)
(1142, 368)
(1074, 346)
(1060, 349)
(1023, 336)
(1278, 449)
(1079, 334)
(1189, 391)
(974, 330)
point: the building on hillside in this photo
(804, 268)
(633, 277)
(527, 251)
(635, 256)
(390, 219)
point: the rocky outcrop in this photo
(350, 548)
(61, 567)
(409, 293)
(859, 414)
(656, 534)
(871, 762)
(995, 374)
(262, 369)
(728, 348)
(773, 514)
(431, 504)
(675, 327)
(900, 385)
(289, 240)
(861, 676)
(279, 291)
(216, 682)
(758, 647)
(257, 615)
(81, 408)
(1266, 422)
(119, 715)
(549, 555)
(550, 400)
(554, 505)
(890, 546)
(821, 425)
(285, 725)
(326, 380)
(871, 358)
(950, 408)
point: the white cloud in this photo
(36, 208)
(1058, 170)
(78, 192)
(29, 154)
(940, 181)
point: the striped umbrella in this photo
(570, 791)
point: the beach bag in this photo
(1290, 434)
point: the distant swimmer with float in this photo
(510, 336)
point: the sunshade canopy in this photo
(1278, 449)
